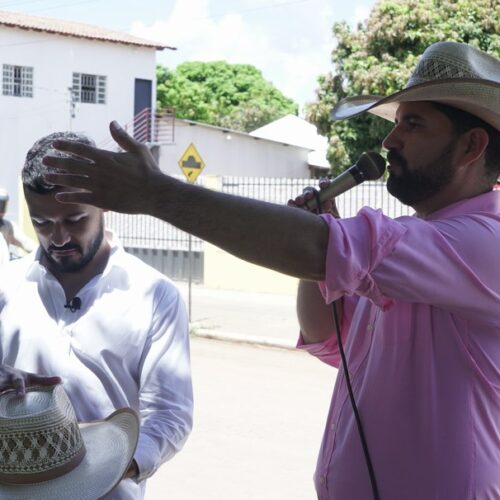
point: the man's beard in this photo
(413, 187)
(65, 264)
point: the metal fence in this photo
(279, 190)
(145, 232)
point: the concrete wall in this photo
(225, 272)
(54, 58)
(232, 153)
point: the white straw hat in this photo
(451, 73)
(45, 454)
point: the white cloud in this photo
(361, 13)
(290, 51)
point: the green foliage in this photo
(234, 96)
(378, 57)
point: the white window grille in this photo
(89, 88)
(17, 80)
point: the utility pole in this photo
(72, 107)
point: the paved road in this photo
(259, 416)
(252, 316)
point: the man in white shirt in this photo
(112, 328)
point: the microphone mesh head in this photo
(372, 165)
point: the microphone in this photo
(74, 304)
(370, 166)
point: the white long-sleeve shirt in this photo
(127, 345)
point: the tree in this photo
(379, 56)
(234, 96)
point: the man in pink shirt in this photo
(418, 297)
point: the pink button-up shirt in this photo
(421, 330)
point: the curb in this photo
(241, 339)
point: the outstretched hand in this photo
(116, 181)
(328, 206)
(12, 378)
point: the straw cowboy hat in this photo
(45, 454)
(451, 73)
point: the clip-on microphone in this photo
(74, 304)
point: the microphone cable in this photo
(361, 431)
(357, 417)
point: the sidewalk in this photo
(263, 318)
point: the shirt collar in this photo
(487, 202)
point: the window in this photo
(89, 88)
(17, 80)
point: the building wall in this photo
(225, 272)
(233, 153)
(54, 58)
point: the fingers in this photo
(78, 197)
(78, 149)
(310, 193)
(69, 165)
(85, 185)
(19, 385)
(33, 379)
(324, 182)
(70, 180)
(20, 381)
(121, 137)
(301, 199)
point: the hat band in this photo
(27, 477)
(33, 456)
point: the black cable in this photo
(361, 431)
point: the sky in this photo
(290, 41)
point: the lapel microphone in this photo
(74, 304)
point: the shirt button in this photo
(322, 479)
(332, 427)
(370, 328)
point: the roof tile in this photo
(75, 29)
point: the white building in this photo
(61, 75)
(293, 130)
(288, 147)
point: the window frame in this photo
(17, 80)
(89, 88)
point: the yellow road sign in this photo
(191, 163)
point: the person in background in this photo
(17, 242)
(4, 250)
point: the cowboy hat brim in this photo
(110, 446)
(480, 98)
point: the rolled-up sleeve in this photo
(356, 246)
(166, 395)
(414, 260)
(328, 351)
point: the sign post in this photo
(191, 165)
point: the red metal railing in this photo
(157, 129)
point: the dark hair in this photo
(462, 122)
(34, 170)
